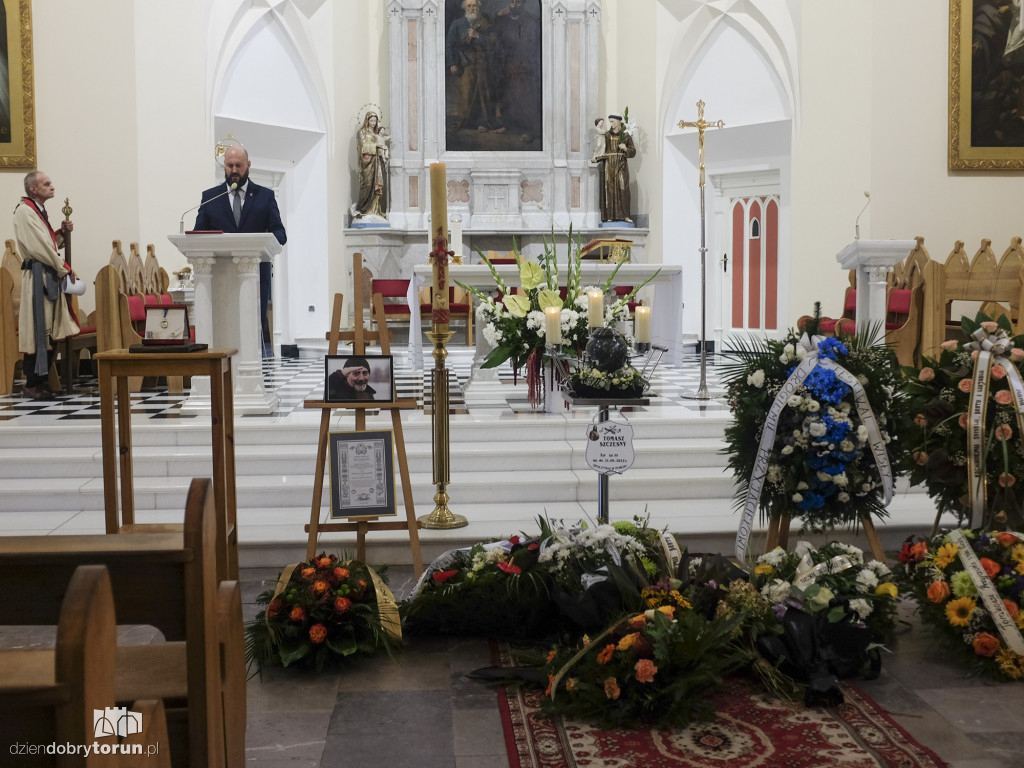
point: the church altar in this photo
(666, 308)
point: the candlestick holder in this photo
(439, 335)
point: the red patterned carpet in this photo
(752, 731)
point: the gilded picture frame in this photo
(986, 84)
(17, 113)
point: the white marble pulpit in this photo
(872, 259)
(226, 271)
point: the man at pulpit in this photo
(246, 208)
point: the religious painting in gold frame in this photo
(986, 85)
(17, 93)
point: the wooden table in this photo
(117, 365)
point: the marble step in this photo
(273, 536)
(260, 459)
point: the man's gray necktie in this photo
(236, 206)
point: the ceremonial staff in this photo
(67, 211)
(701, 124)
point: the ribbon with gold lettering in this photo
(807, 572)
(992, 348)
(1005, 625)
(764, 450)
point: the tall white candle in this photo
(553, 325)
(595, 309)
(455, 231)
(642, 324)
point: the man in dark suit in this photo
(249, 208)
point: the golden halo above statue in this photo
(223, 146)
(368, 109)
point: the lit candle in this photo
(553, 325)
(595, 309)
(642, 324)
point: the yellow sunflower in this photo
(945, 554)
(1010, 664)
(959, 611)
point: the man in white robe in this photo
(45, 316)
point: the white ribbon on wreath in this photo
(795, 380)
(992, 348)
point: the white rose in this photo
(813, 406)
(802, 548)
(775, 591)
(786, 450)
(862, 432)
(794, 401)
(862, 607)
(756, 379)
(818, 429)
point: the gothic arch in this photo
(768, 26)
(234, 24)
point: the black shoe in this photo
(33, 393)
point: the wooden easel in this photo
(359, 336)
(778, 536)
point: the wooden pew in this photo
(49, 695)
(9, 354)
(166, 580)
(981, 279)
(115, 326)
(69, 350)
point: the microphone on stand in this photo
(181, 223)
(856, 225)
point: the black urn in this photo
(607, 350)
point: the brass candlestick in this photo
(440, 334)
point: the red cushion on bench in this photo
(899, 301)
(850, 300)
(136, 309)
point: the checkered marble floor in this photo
(297, 379)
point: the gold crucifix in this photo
(702, 392)
(700, 125)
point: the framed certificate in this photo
(166, 325)
(362, 474)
